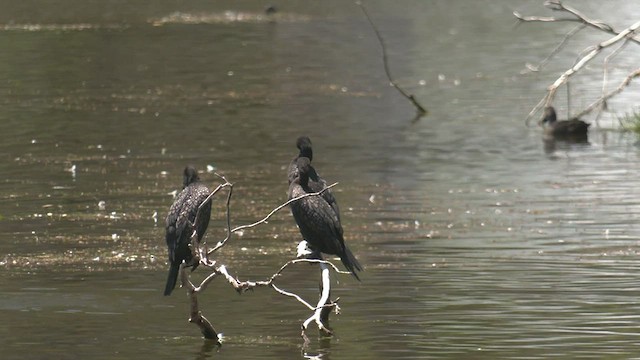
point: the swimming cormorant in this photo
(573, 129)
(316, 183)
(318, 222)
(182, 215)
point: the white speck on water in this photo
(102, 205)
(372, 198)
(72, 170)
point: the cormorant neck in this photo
(306, 152)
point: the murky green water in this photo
(476, 242)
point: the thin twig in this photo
(634, 74)
(557, 49)
(266, 218)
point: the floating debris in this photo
(102, 205)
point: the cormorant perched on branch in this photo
(318, 222)
(180, 220)
(573, 129)
(316, 183)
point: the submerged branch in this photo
(196, 316)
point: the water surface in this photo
(477, 241)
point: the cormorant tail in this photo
(351, 263)
(172, 278)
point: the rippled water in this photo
(478, 241)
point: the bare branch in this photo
(421, 110)
(577, 17)
(295, 296)
(523, 18)
(222, 242)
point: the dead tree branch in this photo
(421, 110)
(321, 314)
(321, 310)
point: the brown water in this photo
(476, 242)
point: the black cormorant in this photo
(182, 215)
(316, 183)
(573, 129)
(318, 222)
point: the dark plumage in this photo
(318, 222)
(316, 183)
(573, 129)
(179, 229)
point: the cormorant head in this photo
(304, 169)
(190, 176)
(549, 115)
(304, 145)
